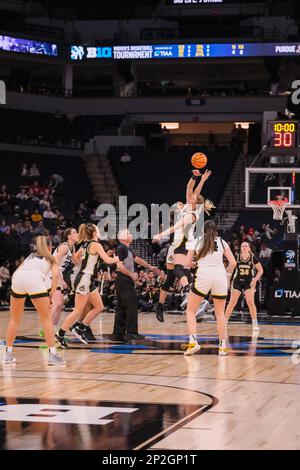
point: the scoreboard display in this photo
(283, 134)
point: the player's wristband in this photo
(194, 177)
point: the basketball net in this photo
(278, 207)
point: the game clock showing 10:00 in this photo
(283, 134)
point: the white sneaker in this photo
(8, 358)
(184, 302)
(203, 307)
(55, 360)
(192, 348)
(255, 327)
(223, 351)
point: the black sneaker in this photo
(134, 336)
(77, 323)
(89, 334)
(80, 334)
(62, 341)
(119, 338)
(159, 309)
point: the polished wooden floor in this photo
(247, 400)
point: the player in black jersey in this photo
(85, 288)
(244, 280)
(170, 279)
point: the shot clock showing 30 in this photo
(283, 134)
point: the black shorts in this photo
(181, 249)
(241, 285)
(84, 284)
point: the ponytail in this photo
(210, 233)
(208, 206)
(207, 203)
(42, 249)
(81, 233)
(86, 232)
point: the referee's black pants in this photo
(126, 317)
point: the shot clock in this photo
(283, 134)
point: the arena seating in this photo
(77, 186)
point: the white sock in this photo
(9, 349)
(222, 343)
(255, 322)
(193, 339)
(52, 350)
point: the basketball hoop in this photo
(278, 207)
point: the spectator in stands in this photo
(36, 189)
(249, 236)
(40, 229)
(16, 215)
(32, 201)
(265, 254)
(242, 233)
(24, 171)
(49, 214)
(34, 171)
(4, 200)
(36, 216)
(126, 158)
(22, 195)
(269, 232)
(57, 238)
(93, 216)
(161, 259)
(4, 228)
(26, 216)
(4, 282)
(44, 203)
(56, 182)
(26, 238)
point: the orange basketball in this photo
(199, 160)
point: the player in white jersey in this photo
(30, 279)
(211, 277)
(64, 255)
(186, 220)
(85, 288)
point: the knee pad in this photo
(179, 271)
(188, 274)
(169, 280)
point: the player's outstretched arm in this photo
(204, 178)
(191, 184)
(182, 223)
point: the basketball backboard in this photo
(2, 92)
(265, 184)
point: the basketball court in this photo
(147, 395)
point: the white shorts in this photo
(84, 284)
(31, 283)
(213, 280)
(170, 255)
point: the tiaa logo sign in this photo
(2, 92)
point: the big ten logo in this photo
(99, 52)
(295, 96)
(296, 354)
